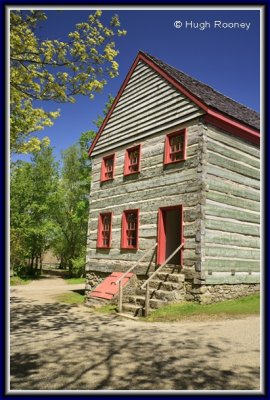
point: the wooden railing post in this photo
(146, 306)
(146, 283)
(161, 266)
(120, 299)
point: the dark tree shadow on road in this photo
(57, 346)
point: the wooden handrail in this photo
(162, 265)
(119, 281)
(146, 283)
(135, 265)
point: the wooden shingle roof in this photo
(209, 96)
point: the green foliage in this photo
(16, 280)
(32, 187)
(75, 281)
(57, 70)
(78, 264)
(70, 211)
(106, 309)
(174, 312)
(71, 203)
(70, 298)
(50, 208)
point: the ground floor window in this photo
(104, 230)
(130, 229)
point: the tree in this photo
(70, 211)
(54, 70)
(33, 185)
(71, 203)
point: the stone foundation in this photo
(207, 294)
(203, 294)
(93, 279)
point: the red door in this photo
(170, 234)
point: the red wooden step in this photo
(107, 289)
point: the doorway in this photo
(170, 234)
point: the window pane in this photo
(106, 230)
(109, 168)
(131, 221)
(134, 157)
(176, 147)
(131, 231)
(133, 160)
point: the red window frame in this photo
(130, 165)
(130, 233)
(107, 174)
(104, 237)
(171, 152)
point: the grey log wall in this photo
(232, 208)
(154, 187)
(148, 105)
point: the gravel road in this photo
(55, 346)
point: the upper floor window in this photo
(130, 229)
(175, 147)
(104, 230)
(132, 160)
(107, 168)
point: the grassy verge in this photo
(240, 307)
(106, 309)
(16, 280)
(74, 281)
(70, 298)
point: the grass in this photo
(240, 307)
(70, 298)
(16, 280)
(106, 309)
(74, 281)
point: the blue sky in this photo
(225, 58)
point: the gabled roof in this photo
(220, 110)
(209, 96)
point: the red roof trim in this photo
(174, 82)
(233, 127)
(214, 117)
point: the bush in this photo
(78, 266)
(25, 271)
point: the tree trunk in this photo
(40, 263)
(70, 267)
(32, 262)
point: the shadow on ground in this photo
(57, 346)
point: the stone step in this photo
(157, 294)
(140, 300)
(133, 309)
(93, 302)
(168, 277)
(165, 285)
(127, 316)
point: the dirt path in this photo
(45, 290)
(61, 347)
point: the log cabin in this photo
(176, 185)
